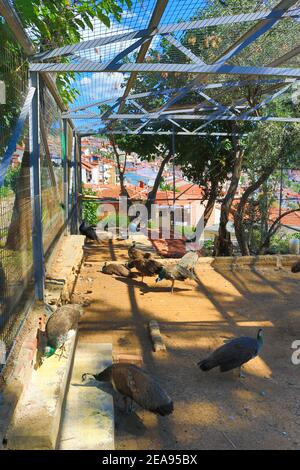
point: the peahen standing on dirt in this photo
(184, 269)
(136, 253)
(135, 384)
(234, 354)
(296, 267)
(89, 232)
(61, 325)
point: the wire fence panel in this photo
(51, 169)
(16, 263)
(14, 75)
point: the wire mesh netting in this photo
(16, 254)
(51, 168)
(16, 261)
(205, 44)
(15, 201)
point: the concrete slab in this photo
(88, 420)
(36, 420)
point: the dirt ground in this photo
(212, 410)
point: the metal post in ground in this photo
(80, 178)
(75, 176)
(35, 188)
(66, 171)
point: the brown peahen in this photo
(117, 270)
(296, 267)
(60, 326)
(135, 384)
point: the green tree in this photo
(56, 23)
(269, 146)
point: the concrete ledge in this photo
(35, 423)
(88, 419)
(63, 270)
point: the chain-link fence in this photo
(56, 177)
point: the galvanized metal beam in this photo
(16, 27)
(165, 30)
(66, 170)
(207, 86)
(85, 66)
(188, 53)
(154, 21)
(189, 133)
(251, 35)
(256, 31)
(75, 177)
(36, 195)
(201, 117)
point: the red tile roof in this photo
(292, 219)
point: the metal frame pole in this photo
(66, 172)
(173, 153)
(75, 176)
(80, 178)
(35, 188)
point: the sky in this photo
(103, 86)
(96, 86)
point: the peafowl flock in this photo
(89, 232)
(143, 262)
(184, 269)
(60, 327)
(234, 354)
(135, 384)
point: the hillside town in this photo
(100, 175)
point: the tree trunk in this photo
(224, 245)
(240, 212)
(121, 171)
(273, 229)
(264, 214)
(152, 194)
(210, 204)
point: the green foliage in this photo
(185, 231)
(279, 242)
(89, 208)
(11, 178)
(207, 248)
(59, 23)
(4, 191)
(116, 220)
